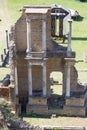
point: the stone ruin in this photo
(34, 55)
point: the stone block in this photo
(37, 100)
(37, 109)
(74, 111)
(75, 101)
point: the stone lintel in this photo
(36, 58)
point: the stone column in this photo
(69, 35)
(44, 34)
(16, 81)
(29, 79)
(44, 80)
(7, 38)
(67, 79)
(69, 63)
(60, 26)
(28, 35)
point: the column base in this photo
(37, 105)
(36, 109)
(37, 101)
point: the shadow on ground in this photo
(80, 38)
(79, 18)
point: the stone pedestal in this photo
(37, 100)
(37, 105)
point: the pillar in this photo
(16, 81)
(53, 26)
(67, 79)
(44, 79)
(44, 34)
(7, 38)
(29, 79)
(60, 26)
(28, 35)
(69, 35)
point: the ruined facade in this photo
(35, 57)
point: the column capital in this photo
(44, 18)
(70, 61)
(70, 20)
(28, 20)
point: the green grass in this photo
(2, 46)
(3, 72)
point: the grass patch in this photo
(3, 72)
(2, 46)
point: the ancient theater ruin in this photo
(34, 55)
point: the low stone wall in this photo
(62, 128)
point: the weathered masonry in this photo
(33, 57)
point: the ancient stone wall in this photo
(36, 30)
(22, 71)
(5, 92)
(21, 33)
